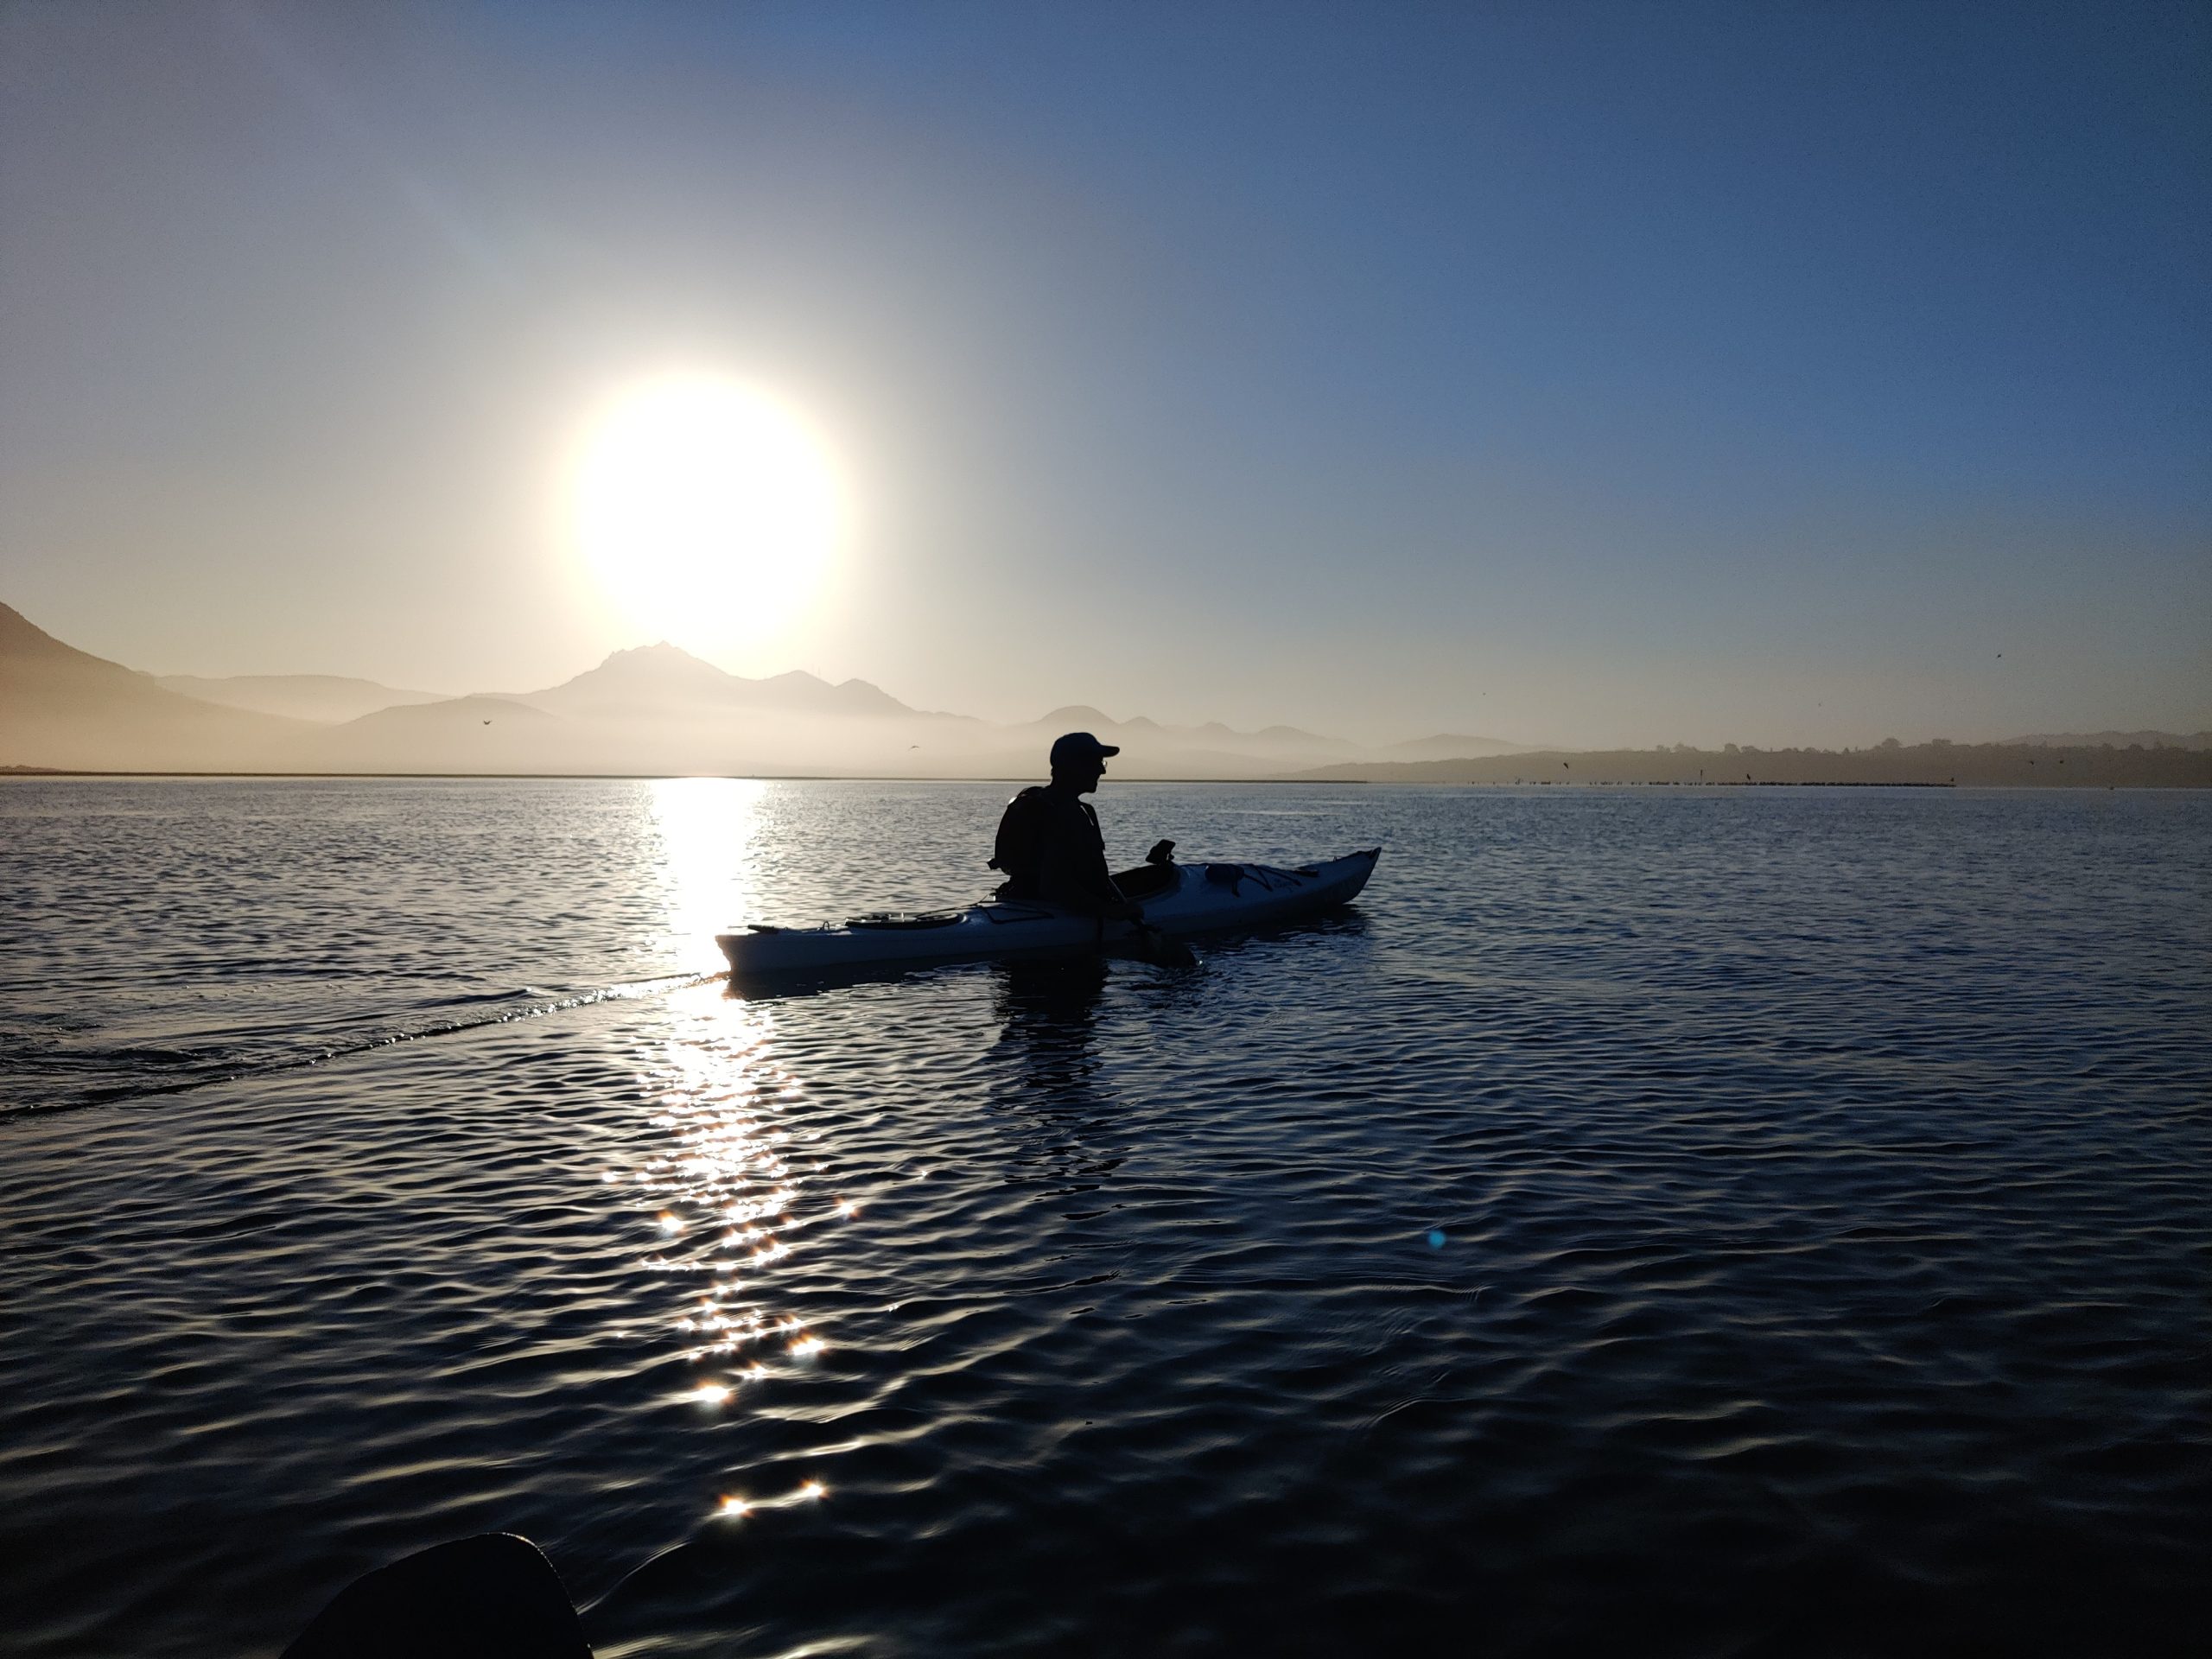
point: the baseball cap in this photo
(1081, 746)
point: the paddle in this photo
(1155, 947)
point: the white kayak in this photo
(1179, 901)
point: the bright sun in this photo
(708, 513)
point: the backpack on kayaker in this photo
(1019, 850)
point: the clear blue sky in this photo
(1576, 373)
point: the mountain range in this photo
(659, 710)
(322, 698)
(653, 709)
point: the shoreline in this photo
(81, 774)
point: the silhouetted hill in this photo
(1998, 764)
(452, 712)
(800, 691)
(330, 698)
(40, 675)
(654, 710)
(664, 678)
(1078, 717)
(65, 707)
(1452, 746)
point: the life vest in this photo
(1019, 849)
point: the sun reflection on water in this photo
(709, 831)
(723, 1206)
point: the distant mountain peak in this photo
(665, 678)
(660, 658)
(659, 651)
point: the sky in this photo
(1570, 373)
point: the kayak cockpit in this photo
(1148, 880)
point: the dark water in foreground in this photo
(1772, 1222)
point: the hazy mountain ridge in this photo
(654, 708)
(329, 698)
(663, 679)
(1452, 746)
(61, 706)
(657, 706)
(657, 709)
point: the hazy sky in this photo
(1575, 373)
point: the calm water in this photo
(1754, 1221)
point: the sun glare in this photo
(708, 513)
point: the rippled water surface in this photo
(1771, 1221)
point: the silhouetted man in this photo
(1049, 842)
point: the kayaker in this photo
(1049, 843)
